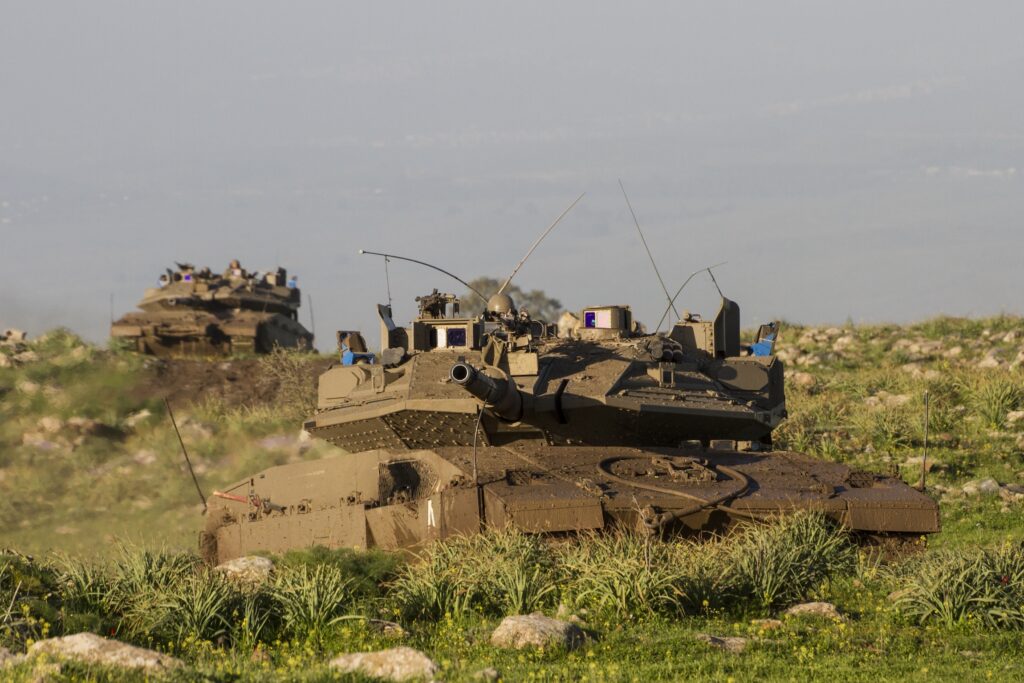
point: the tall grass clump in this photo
(992, 395)
(954, 588)
(311, 600)
(138, 583)
(626, 574)
(779, 563)
(498, 573)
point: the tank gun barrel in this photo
(501, 395)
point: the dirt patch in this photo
(238, 383)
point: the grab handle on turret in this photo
(500, 395)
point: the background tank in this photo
(197, 312)
(496, 421)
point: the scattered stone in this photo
(814, 609)
(5, 657)
(536, 630)
(5, 361)
(843, 343)
(1012, 493)
(488, 674)
(94, 649)
(251, 570)
(389, 629)
(12, 335)
(1014, 416)
(396, 664)
(914, 462)
(195, 428)
(803, 379)
(954, 352)
(986, 487)
(25, 357)
(133, 420)
(733, 644)
(991, 360)
(1010, 337)
(144, 457)
(86, 426)
(50, 424)
(27, 387)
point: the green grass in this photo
(947, 613)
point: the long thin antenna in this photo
(924, 456)
(539, 240)
(428, 265)
(188, 460)
(680, 290)
(387, 279)
(312, 318)
(671, 302)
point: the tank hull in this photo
(394, 499)
(187, 333)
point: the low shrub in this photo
(977, 586)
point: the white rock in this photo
(13, 335)
(26, 357)
(251, 570)
(727, 643)
(803, 379)
(5, 361)
(94, 649)
(536, 630)
(989, 486)
(84, 425)
(396, 664)
(814, 609)
(144, 457)
(844, 342)
(1010, 337)
(135, 418)
(27, 387)
(954, 352)
(1014, 416)
(50, 424)
(991, 360)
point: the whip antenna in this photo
(682, 286)
(428, 265)
(671, 301)
(539, 240)
(188, 461)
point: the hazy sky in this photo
(849, 160)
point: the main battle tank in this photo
(197, 312)
(460, 424)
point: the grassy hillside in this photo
(87, 457)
